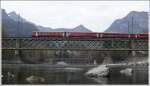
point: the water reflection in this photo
(45, 75)
(33, 75)
(100, 80)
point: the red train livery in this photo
(47, 34)
(89, 35)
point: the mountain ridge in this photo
(79, 28)
(134, 22)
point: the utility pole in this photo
(18, 30)
(128, 27)
(132, 26)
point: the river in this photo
(47, 74)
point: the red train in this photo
(89, 35)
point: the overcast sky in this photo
(95, 15)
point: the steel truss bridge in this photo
(29, 43)
(19, 47)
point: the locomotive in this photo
(89, 35)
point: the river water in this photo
(33, 74)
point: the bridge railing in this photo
(74, 44)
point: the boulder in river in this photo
(127, 71)
(35, 79)
(61, 63)
(100, 71)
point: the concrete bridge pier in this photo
(133, 46)
(18, 56)
(133, 53)
(18, 52)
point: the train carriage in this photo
(142, 35)
(113, 35)
(82, 34)
(89, 35)
(47, 34)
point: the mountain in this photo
(15, 25)
(79, 28)
(16, 17)
(136, 20)
(44, 29)
(11, 27)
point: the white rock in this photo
(127, 71)
(142, 62)
(62, 63)
(10, 75)
(101, 70)
(35, 79)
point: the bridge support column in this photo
(133, 47)
(17, 52)
(133, 53)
